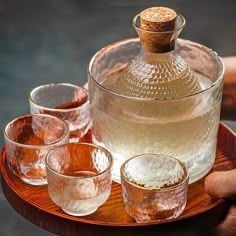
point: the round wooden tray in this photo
(200, 215)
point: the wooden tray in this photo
(201, 214)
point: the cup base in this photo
(160, 219)
(34, 181)
(80, 213)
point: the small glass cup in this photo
(66, 101)
(79, 177)
(154, 187)
(28, 139)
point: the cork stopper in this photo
(158, 25)
(158, 19)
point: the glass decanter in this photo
(157, 94)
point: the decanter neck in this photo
(158, 57)
(158, 29)
(154, 58)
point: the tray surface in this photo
(33, 202)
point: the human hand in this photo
(223, 185)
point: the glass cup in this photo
(66, 101)
(154, 187)
(28, 139)
(79, 177)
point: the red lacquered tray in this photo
(201, 214)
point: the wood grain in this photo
(200, 215)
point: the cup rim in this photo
(165, 189)
(66, 135)
(109, 167)
(30, 97)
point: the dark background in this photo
(53, 40)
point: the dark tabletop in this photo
(53, 40)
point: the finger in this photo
(221, 184)
(228, 226)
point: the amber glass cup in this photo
(79, 177)
(154, 187)
(28, 139)
(66, 101)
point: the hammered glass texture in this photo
(160, 78)
(65, 101)
(154, 187)
(79, 177)
(28, 139)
